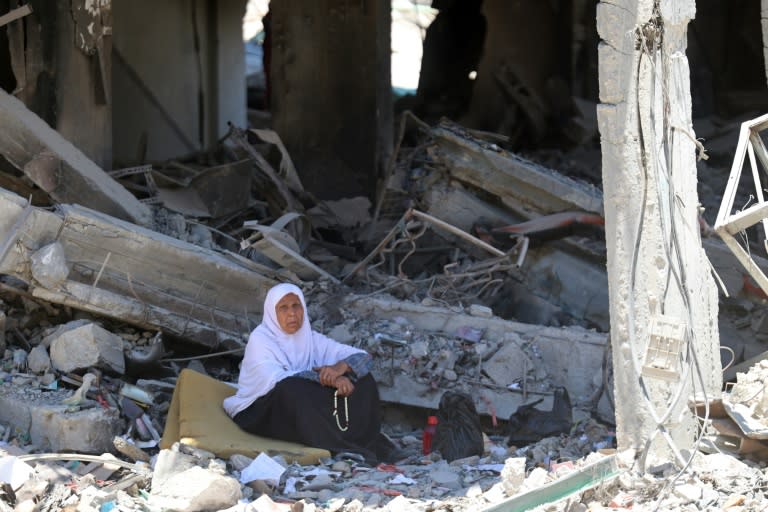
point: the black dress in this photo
(301, 410)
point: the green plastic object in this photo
(580, 480)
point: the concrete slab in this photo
(569, 356)
(59, 168)
(124, 271)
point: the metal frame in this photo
(728, 224)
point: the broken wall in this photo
(179, 72)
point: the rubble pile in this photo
(476, 271)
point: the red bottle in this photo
(429, 432)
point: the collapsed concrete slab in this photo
(124, 271)
(524, 187)
(582, 292)
(58, 167)
(569, 357)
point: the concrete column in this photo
(330, 91)
(660, 286)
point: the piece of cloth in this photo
(271, 355)
(302, 411)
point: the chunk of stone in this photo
(419, 349)
(513, 475)
(239, 461)
(537, 478)
(169, 463)
(400, 504)
(49, 266)
(689, 492)
(38, 361)
(196, 489)
(496, 493)
(87, 346)
(446, 478)
(508, 365)
(86, 431)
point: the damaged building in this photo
(563, 220)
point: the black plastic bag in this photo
(458, 433)
(528, 425)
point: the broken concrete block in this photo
(513, 475)
(344, 213)
(86, 431)
(49, 266)
(169, 463)
(50, 425)
(536, 479)
(196, 489)
(87, 346)
(419, 349)
(54, 332)
(508, 365)
(38, 360)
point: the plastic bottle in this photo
(429, 432)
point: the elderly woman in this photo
(298, 385)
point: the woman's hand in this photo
(344, 386)
(329, 374)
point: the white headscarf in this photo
(272, 355)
